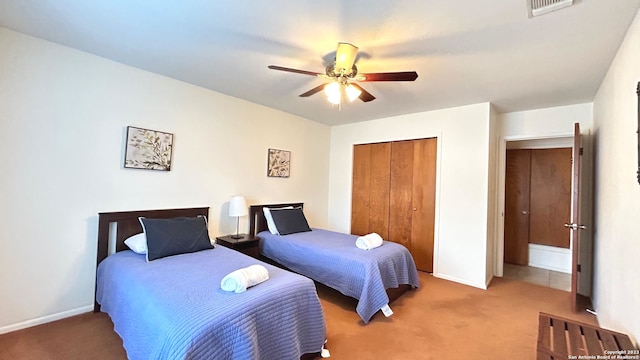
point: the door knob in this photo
(525, 212)
(573, 226)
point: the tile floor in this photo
(544, 277)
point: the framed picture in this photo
(148, 149)
(278, 163)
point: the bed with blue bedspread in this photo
(331, 258)
(173, 307)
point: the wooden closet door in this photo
(424, 202)
(379, 194)
(401, 193)
(516, 215)
(550, 197)
(370, 189)
(360, 189)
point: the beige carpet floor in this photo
(440, 320)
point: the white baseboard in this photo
(460, 281)
(550, 258)
(45, 319)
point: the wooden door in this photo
(401, 193)
(360, 189)
(577, 301)
(370, 189)
(550, 196)
(517, 210)
(424, 202)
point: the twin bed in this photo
(374, 277)
(173, 307)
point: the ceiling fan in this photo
(343, 74)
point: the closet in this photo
(393, 194)
(537, 201)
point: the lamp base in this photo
(236, 236)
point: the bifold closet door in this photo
(412, 198)
(370, 189)
(401, 193)
(424, 202)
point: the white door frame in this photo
(538, 142)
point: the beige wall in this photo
(617, 192)
(462, 181)
(544, 128)
(63, 115)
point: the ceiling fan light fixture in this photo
(333, 92)
(352, 92)
(345, 57)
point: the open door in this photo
(577, 301)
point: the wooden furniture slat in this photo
(576, 342)
(592, 341)
(544, 332)
(624, 342)
(608, 340)
(558, 338)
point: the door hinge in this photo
(579, 268)
(581, 151)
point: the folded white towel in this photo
(369, 241)
(238, 281)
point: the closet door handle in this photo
(414, 209)
(525, 212)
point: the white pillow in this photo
(270, 224)
(137, 243)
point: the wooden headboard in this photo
(257, 222)
(128, 224)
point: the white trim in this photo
(436, 212)
(46, 319)
(460, 281)
(502, 169)
(550, 258)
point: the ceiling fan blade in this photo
(297, 71)
(390, 76)
(365, 95)
(315, 90)
(345, 57)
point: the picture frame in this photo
(278, 163)
(148, 149)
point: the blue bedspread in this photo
(333, 259)
(173, 308)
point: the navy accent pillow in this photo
(181, 235)
(290, 221)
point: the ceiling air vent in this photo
(540, 7)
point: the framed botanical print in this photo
(278, 163)
(148, 149)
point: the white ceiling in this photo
(465, 51)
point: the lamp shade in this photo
(238, 206)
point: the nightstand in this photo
(246, 244)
